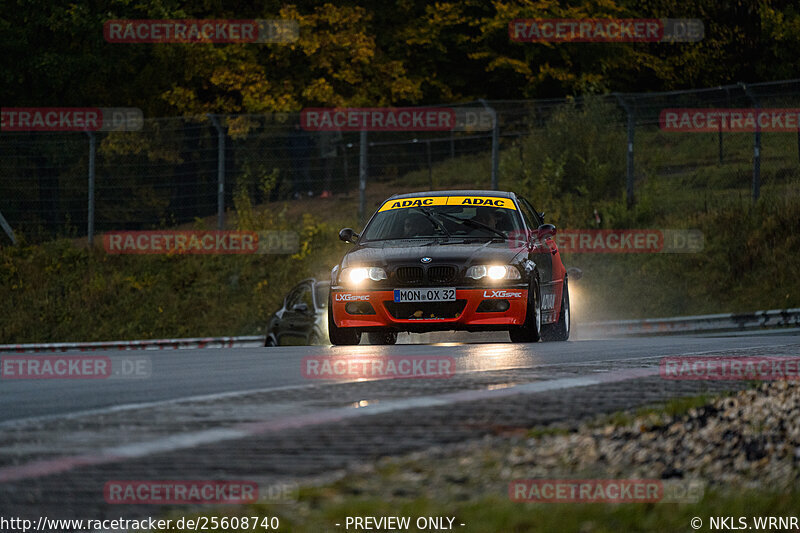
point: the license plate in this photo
(425, 295)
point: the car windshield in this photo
(439, 221)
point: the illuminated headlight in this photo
(495, 272)
(356, 275)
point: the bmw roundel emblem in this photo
(426, 259)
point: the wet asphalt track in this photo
(189, 373)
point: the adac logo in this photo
(496, 202)
(425, 260)
(414, 202)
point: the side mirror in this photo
(574, 273)
(348, 235)
(301, 307)
(546, 231)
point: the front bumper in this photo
(475, 309)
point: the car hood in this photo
(449, 251)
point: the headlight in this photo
(356, 275)
(494, 272)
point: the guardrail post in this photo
(756, 187)
(220, 172)
(362, 176)
(90, 214)
(495, 142)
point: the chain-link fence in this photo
(174, 170)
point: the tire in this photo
(531, 330)
(382, 337)
(341, 336)
(269, 342)
(560, 330)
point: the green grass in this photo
(674, 407)
(538, 432)
(495, 513)
(319, 508)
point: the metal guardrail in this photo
(774, 318)
(155, 344)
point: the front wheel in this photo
(382, 337)
(560, 330)
(341, 336)
(531, 330)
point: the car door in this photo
(298, 318)
(540, 252)
(543, 252)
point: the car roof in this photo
(465, 192)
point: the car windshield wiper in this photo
(474, 224)
(434, 220)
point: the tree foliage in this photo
(374, 53)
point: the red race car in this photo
(450, 260)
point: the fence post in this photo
(728, 100)
(756, 187)
(7, 228)
(346, 180)
(495, 142)
(220, 172)
(631, 129)
(362, 176)
(90, 214)
(430, 167)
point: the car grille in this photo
(441, 274)
(429, 275)
(425, 310)
(409, 274)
